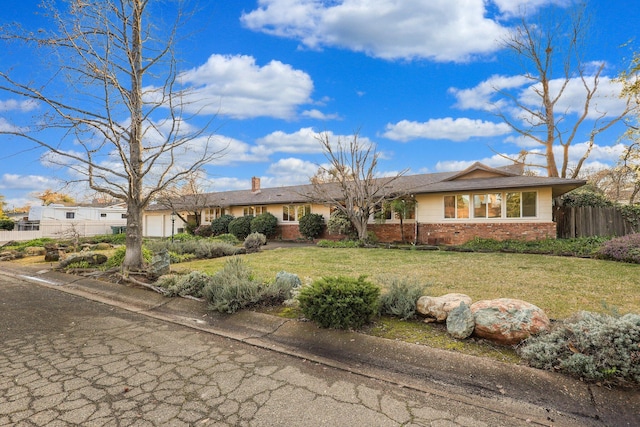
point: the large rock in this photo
(160, 264)
(439, 307)
(460, 322)
(92, 259)
(508, 321)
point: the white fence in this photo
(59, 231)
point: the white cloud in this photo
(14, 105)
(439, 30)
(317, 114)
(10, 181)
(447, 128)
(7, 127)
(458, 165)
(302, 141)
(485, 96)
(292, 171)
(236, 86)
(518, 7)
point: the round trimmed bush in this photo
(220, 225)
(6, 224)
(311, 225)
(340, 302)
(265, 223)
(241, 227)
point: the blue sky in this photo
(414, 77)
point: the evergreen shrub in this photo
(203, 230)
(117, 258)
(625, 249)
(234, 288)
(6, 224)
(220, 225)
(340, 302)
(591, 346)
(265, 223)
(400, 298)
(241, 227)
(311, 225)
(254, 242)
(191, 284)
(227, 238)
(339, 223)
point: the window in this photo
(522, 205)
(71, 215)
(123, 216)
(487, 205)
(103, 215)
(254, 210)
(517, 205)
(457, 206)
(213, 213)
(294, 212)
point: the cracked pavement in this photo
(78, 351)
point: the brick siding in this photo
(443, 234)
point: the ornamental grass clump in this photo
(591, 346)
(254, 242)
(191, 284)
(400, 298)
(340, 302)
(625, 249)
(234, 288)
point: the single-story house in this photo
(450, 207)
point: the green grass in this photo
(559, 285)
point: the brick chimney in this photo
(255, 184)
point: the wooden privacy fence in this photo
(591, 221)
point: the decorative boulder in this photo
(52, 252)
(460, 322)
(508, 321)
(160, 264)
(88, 257)
(35, 251)
(439, 307)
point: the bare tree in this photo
(114, 93)
(550, 53)
(189, 198)
(349, 182)
(630, 159)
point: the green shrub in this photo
(7, 224)
(288, 279)
(203, 230)
(114, 239)
(340, 243)
(591, 346)
(241, 227)
(183, 237)
(311, 225)
(586, 198)
(625, 249)
(21, 246)
(227, 238)
(340, 302)
(117, 258)
(339, 223)
(198, 248)
(191, 284)
(400, 297)
(583, 246)
(220, 225)
(254, 242)
(234, 288)
(265, 223)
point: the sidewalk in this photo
(541, 397)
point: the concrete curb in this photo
(533, 395)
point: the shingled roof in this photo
(475, 178)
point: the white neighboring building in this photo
(57, 220)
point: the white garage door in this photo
(153, 226)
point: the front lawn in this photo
(559, 285)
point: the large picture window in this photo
(516, 205)
(254, 210)
(294, 212)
